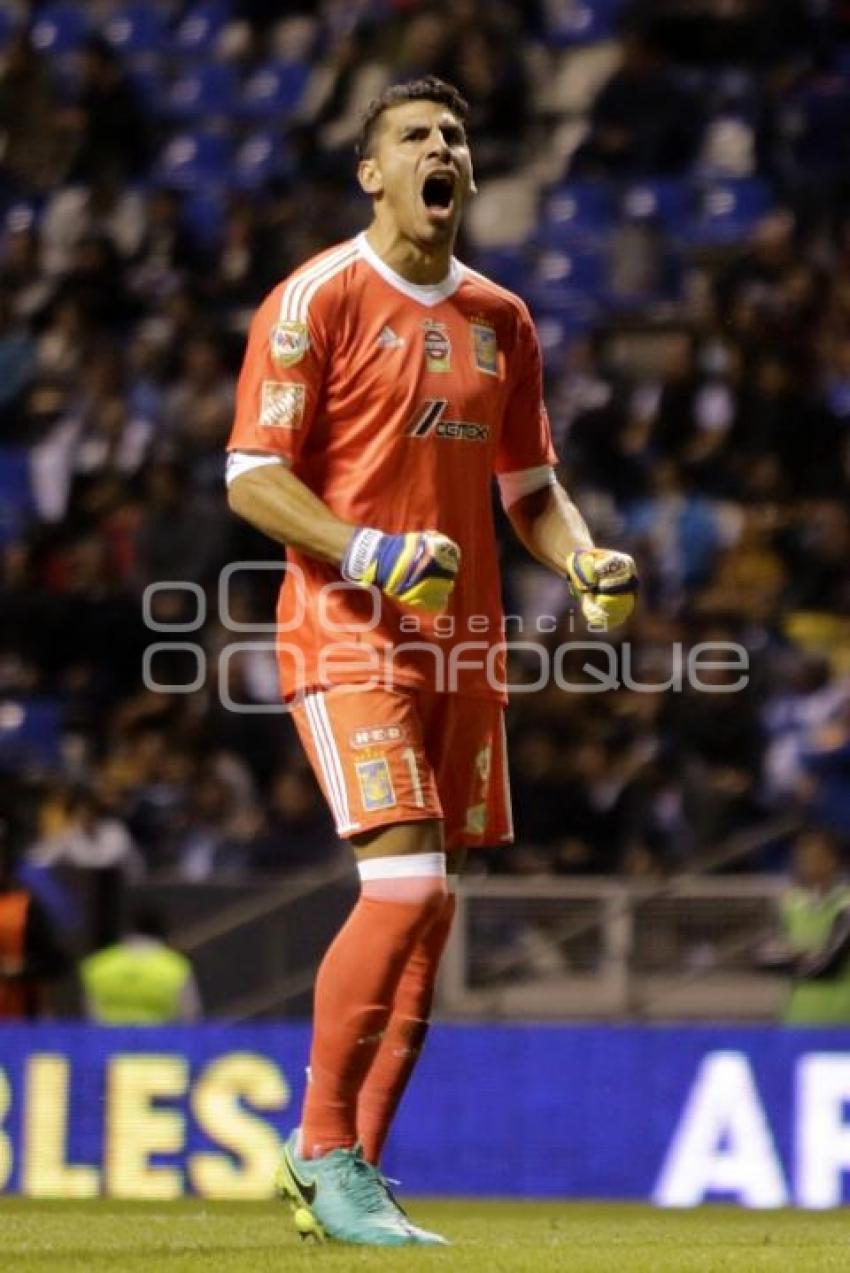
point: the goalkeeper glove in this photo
(604, 582)
(418, 568)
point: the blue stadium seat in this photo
(148, 79)
(582, 21)
(9, 24)
(194, 159)
(202, 92)
(507, 266)
(20, 217)
(260, 159)
(562, 281)
(60, 29)
(558, 330)
(136, 29)
(667, 200)
(273, 90)
(200, 27)
(728, 211)
(580, 212)
(813, 123)
(204, 210)
(30, 733)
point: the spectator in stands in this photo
(17, 361)
(141, 980)
(643, 121)
(199, 409)
(180, 534)
(112, 129)
(826, 759)
(298, 834)
(30, 955)
(815, 924)
(96, 847)
(36, 137)
(483, 62)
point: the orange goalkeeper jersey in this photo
(395, 404)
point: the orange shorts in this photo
(384, 756)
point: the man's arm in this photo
(603, 580)
(278, 503)
(550, 526)
(418, 568)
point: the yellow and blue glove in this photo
(418, 568)
(605, 583)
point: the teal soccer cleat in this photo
(342, 1196)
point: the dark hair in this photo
(427, 89)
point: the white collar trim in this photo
(426, 294)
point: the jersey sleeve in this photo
(281, 381)
(525, 441)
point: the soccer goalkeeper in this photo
(384, 385)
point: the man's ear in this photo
(369, 176)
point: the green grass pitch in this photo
(487, 1237)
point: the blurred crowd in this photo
(699, 386)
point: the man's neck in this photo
(422, 266)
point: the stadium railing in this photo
(526, 947)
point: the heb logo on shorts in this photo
(376, 788)
(375, 735)
(430, 419)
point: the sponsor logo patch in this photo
(485, 348)
(438, 347)
(282, 405)
(376, 788)
(430, 418)
(375, 735)
(289, 343)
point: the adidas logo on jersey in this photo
(389, 340)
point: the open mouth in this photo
(438, 194)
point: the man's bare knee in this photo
(400, 838)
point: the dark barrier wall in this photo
(759, 1116)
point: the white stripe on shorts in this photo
(329, 760)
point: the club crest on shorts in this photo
(438, 346)
(483, 760)
(376, 788)
(485, 348)
(289, 343)
(282, 405)
(476, 819)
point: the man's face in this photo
(815, 861)
(420, 170)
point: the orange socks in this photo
(354, 997)
(405, 1034)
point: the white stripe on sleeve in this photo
(513, 486)
(239, 462)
